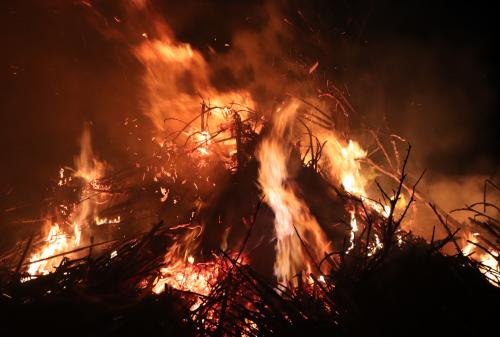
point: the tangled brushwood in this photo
(406, 288)
(246, 197)
(171, 280)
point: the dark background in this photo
(429, 67)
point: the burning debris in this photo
(267, 223)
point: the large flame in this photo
(297, 231)
(176, 76)
(182, 100)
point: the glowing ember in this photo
(104, 221)
(195, 278)
(203, 139)
(191, 277)
(354, 229)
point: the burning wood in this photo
(220, 293)
(266, 223)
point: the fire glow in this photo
(211, 121)
(68, 235)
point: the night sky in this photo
(429, 66)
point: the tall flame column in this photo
(300, 241)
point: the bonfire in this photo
(244, 222)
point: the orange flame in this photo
(56, 242)
(488, 261)
(292, 216)
(188, 276)
(343, 163)
(60, 238)
(177, 77)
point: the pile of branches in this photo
(96, 296)
(405, 288)
(412, 289)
